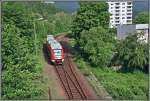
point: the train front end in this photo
(58, 56)
(55, 50)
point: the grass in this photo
(44, 84)
(119, 85)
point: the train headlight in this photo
(53, 60)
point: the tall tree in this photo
(132, 53)
(141, 18)
(98, 45)
(90, 14)
(20, 67)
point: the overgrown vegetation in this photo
(90, 14)
(60, 22)
(98, 49)
(96, 41)
(25, 25)
(97, 44)
(132, 53)
(90, 28)
(141, 18)
(119, 85)
(21, 78)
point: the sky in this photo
(70, 6)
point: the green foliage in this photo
(41, 9)
(98, 44)
(121, 86)
(21, 70)
(22, 32)
(90, 29)
(129, 86)
(141, 18)
(90, 14)
(132, 53)
(59, 22)
(15, 13)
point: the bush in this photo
(124, 86)
(21, 69)
(132, 53)
(121, 86)
(141, 18)
(59, 22)
(98, 44)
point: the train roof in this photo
(53, 43)
(50, 37)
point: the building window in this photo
(117, 10)
(116, 21)
(128, 13)
(129, 21)
(123, 7)
(129, 6)
(117, 14)
(117, 3)
(117, 7)
(123, 17)
(129, 3)
(129, 10)
(128, 17)
(117, 17)
(123, 3)
(123, 10)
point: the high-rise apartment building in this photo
(121, 12)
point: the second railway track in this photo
(69, 81)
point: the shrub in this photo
(98, 44)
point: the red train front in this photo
(55, 50)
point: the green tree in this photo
(60, 22)
(90, 14)
(98, 45)
(132, 53)
(19, 66)
(16, 13)
(94, 39)
(141, 18)
(21, 69)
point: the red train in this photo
(55, 50)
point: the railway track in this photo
(69, 81)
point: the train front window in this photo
(57, 52)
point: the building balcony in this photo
(129, 7)
(129, 10)
(117, 3)
(129, 21)
(129, 14)
(129, 3)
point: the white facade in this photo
(121, 12)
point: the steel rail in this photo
(70, 66)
